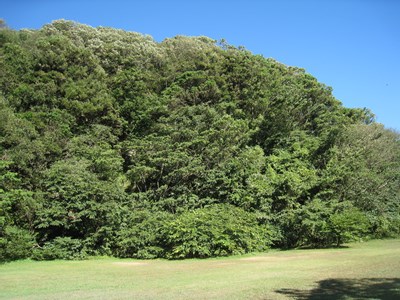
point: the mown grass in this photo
(368, 270)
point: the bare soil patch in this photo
(129, 263)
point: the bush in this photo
(16, 243)
(385, 226)
(140, 237)
(60, 248)
(322, 224)
(218, 230)
(315, 224)
(348, 225)
(306, 226)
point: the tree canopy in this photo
(114, 144)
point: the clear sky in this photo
(351, 45)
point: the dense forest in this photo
(114, 144)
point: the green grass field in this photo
(368, 270)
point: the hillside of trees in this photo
(114, 144)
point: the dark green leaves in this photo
(112, 143)
(218, 230)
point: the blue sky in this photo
(351, 45)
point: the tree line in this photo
(114, 144)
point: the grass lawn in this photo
(368, 270)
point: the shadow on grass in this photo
(340, 289)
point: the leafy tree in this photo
(112, 143)
(78, 201)
(367, 159)
(17, 210)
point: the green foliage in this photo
(218, 230)
(366, 158)
(78, 201)
(141, 235)
(112, 143)
(17, 213)
(349, 225)
(15, 243)
(322, 224)
(60, 248)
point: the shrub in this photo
(15, 243)
(218, 230)
(60, 248)
(348, 225)
(385, 226)
(322, 224)
(140, 236)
